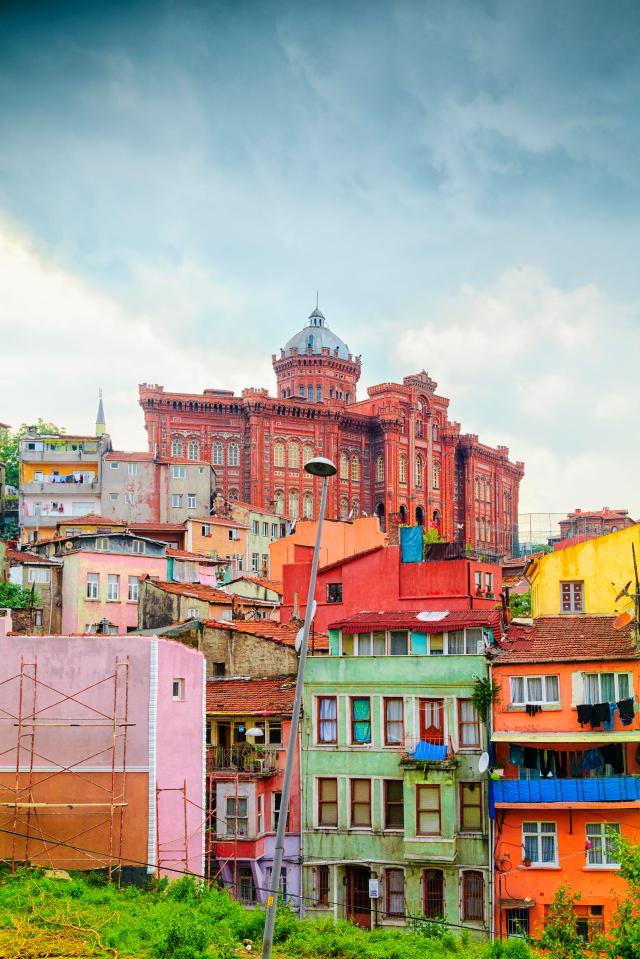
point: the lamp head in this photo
(320, 466)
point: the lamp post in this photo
(324, 468)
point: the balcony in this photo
(61, 489)
(242, 759)
(614, 789)
(60, 455)
(419, 752)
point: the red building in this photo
(397, 451)
(587, 524)
(377, 579)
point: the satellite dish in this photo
(430, 616)
(622, 620)
(298, 642)
(623, 592)
(483, 763)
(255, 731)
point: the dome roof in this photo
(317, 336)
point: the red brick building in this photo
(588, 524)
(397, 451)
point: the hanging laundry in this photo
(562, 760)
(533, 708)
(613, 756)
(626, 710)
(547, 764)
(608, 723)
(516, 754)
(530, 758)
(575, 762)
(600, 714)
(584, 714)
(592, 759)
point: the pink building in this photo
(102, 753)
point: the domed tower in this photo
(316, 365)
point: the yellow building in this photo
(586, 577)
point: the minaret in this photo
(100, 423)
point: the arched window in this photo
(344, 466)
(477, 488)
(294, 456)
(278, 454)
(380, 469)
(434, 431)
(419, 516)
(307, 505)
(177, 449)
(355, 508)
(194, 450)
(472, 896)
(233, 454)
(433, 893)
(294, 504)
(403, 514)
(403, 469)
(380, 513)
(233, 493)
(279, 502)
(487, 491)
(436, 475)
(419, 471)
(217, 453)
(355, 469)
(344, 508)
(419, 429)
(307, 453)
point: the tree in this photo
(623, 941)
(560, 938)
(520, 605)
(10, 447)
(17, 597)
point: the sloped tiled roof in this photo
(275, 585)
(31, 559)
(408, 619)
(284, 633)
(208, 594)
(90, 519)
(566, 639)
(348, 559)
(218, 521)
(256, 697)
(196, 557)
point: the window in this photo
(132, 469)
(601, 850)
(434, 432)
(432, 721)
(398, 642)
(138, 546)
(380, 469)
(606, 687)
(302, 389)
(113, 497)
(455, 643)
(488, 582)
(355, 469)
(274, 733)
(327, 802)
(327, 723)
(334, 592)
(572, 597)
(344, 508)
(191, 500)
(436, 475)
(260, 814)
(217, 454)
(113, 586)
(38, 574)
(128, 498)
(276, 803)
(233, 454)
(393, 721)
(176, 500)
(179, 472)
(427, 810)
(234, 535)
(433, 893)
(134, 589)
(114, 466)
(177, 449)
(265, 561)
(470, 807)
(206, 529)
(255, 527)
(294, 504)
(255, 562)
(472, 896)
(360, 719)
(318, 394)
(518, 923)
(393, 804)
(394, 892)
(246, 888)
(237, 816)
(278, 455)
(38, 619)
(321, 886)
(177, 690)
(194, 450)
(294, 455)
(93, 585)
(535, 689)
(102, 544)
(344, 466)
(540, 843)
(468, 725)
(193, 613)
(419, 470)
(473, 642)
(279, 502)
(307, 453)
(265, 529)
(360, 803)
(307, 505)
(274, 531)
(403, 469)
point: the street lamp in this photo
(324, 468)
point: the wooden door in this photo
(358, 902)
(432, 721)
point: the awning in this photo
(595, 736)
(517, 903)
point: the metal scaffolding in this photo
(38, 800)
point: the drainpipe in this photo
(492, 865)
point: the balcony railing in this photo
(57, 488)
(431, 749)
(242, 759)
(611, 789)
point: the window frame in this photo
(179, 472)
(359, 802)
(433, 913)
(113, 587)
(321, 882)
(178, 689)
(320, 802)
(465, 724)
(352, 722)
(334, 593)
(394, 871)
(466, 899)
(387, 722)
(388, 804)
(601, 835)
(477, 789)
(571, 598)
(538, 863)
(95, 587)
(525, 679)
(133, 594)
(425, 809)
(319, 740)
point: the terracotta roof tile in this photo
(200, 557)
(255, 697)
(268, 629)
(568, 639)
(208, 594)
(89, 519)
(123, 456)
(22, 556)
(347, 559)
(275, 585)
(218, 521)
(407, 619)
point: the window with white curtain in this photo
(536, 690)
(540, 843)
(601, 848)
(606, 687)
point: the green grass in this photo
(88, 917)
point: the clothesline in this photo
(597, 714)
(567, 763)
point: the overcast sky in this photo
(460, 180)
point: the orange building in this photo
(566, 734)
(339, 540)
(225, 538)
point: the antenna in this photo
(316, 299)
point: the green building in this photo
(394, 819)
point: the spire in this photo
(100, 422)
